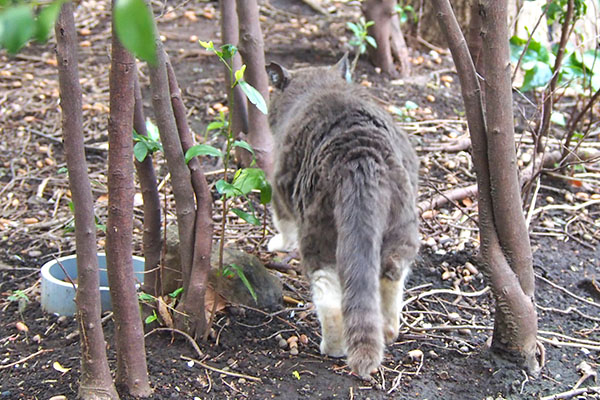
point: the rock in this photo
(267, 287)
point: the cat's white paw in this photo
(333, 349)
(280, 243)
(390, 331)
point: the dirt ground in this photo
(449, 313)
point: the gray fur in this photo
(347, 177)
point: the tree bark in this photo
(230, 35)
(192, 304)
(95, 380)
(132, 372)
(152, 239)
(180, 173)
(515, 325)
(252, 50)
(508, 217)
(426, 22)
(380, 12)
(399, 48)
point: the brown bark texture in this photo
(508, 215)
(237, 104)
(95, 380)
(380, 12)
(425, 27)
(515, 325)
(399, 47)
(180, 173)
(132, 373)
(252, 50)
(152, 240)
(474, 40)
(192, 304)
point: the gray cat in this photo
(344, 190)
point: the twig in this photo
(220, 371)
(29, 357)
(188, 337)
(572, 393)
(549, 282)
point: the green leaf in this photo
(371, 41)
(249, 218)
(143, 296)
(207, 45)
(228, 51)
(240, 273)
(140, 151)
(151, 318)
(202, 150)
(536, 77)
(244, 145)
(249, 179)
(16, 27)
(134, 24)
(354, 28)
(152, 131)
(45, 20)
(215, 125)
(239, 74)
(176, 292)
(254, 96)
(227, 189)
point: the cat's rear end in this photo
(345, 185)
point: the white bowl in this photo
(58, 294)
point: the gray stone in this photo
(267, 287)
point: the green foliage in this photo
(151, 318)
(361, 37)
(202, 150)
(145, 145)
(233, 269)
(579, 70)
(175, 293)
(21, 298)
(226, 54)
(402, 113)
(134, 24)
(556, 10)
(405, 12)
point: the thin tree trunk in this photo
(95, 380)
(237, 104)
(252, 50)
(132, 372)
(152, 239)
(515, 326)
(192, 303)
(508, 215)
(380, 12)
(399, 48)
(180, 173)
(475, 40)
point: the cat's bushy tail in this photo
(361, 209)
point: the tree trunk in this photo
(180, 173)
(230, 35)
(252, 50)
(152, 239)
(95, 380)
(194, 289)
(505, 250)
(387, 33)
(131, 372)
(425, 27)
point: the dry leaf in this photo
(56, 365)
(163, 312)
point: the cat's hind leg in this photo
(392, 288)
(327, 298)
(287, 238)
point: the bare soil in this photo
(441, 353)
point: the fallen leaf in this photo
(21, 327)
(163, 311)
(56, 365)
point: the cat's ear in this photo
(343, 67)
(278, 75)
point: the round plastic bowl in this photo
(58, 294)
